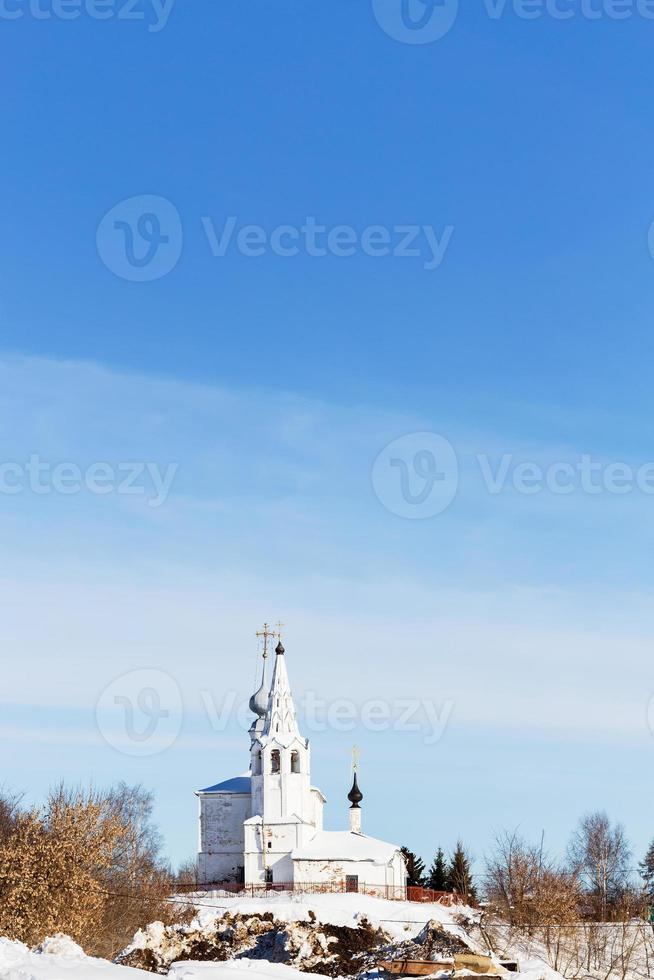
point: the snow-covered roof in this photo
(238, 784)
(343, 845)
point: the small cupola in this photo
(355, 796)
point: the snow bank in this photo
(235, 970)
(18, 962)
(60, 959)
(400, 919)
(59, 945)
(278, 937)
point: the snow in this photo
(400, 919)
(343, 845)
(18, 962)
(59, 945)
(59, 958)
(236, 970)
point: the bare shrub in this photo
(138, 881)
(49, 870)
(88, 864)
(186, 878)
(512, 875)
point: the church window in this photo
(295, 761)
(275, 761)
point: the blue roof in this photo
(239, 784)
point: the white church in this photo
(266, 827)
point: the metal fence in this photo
(407, 893)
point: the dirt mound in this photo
(307, 945)
(432, 943)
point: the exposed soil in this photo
(309, 946)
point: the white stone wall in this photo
(268, 847)
(388, 879)
(222, 838)
(280, 795)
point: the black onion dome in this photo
(279, 649)
(355, 795)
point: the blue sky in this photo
(271, 384)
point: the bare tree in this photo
(139, 880)
(187, 875)
(599, 854)
(512, 875)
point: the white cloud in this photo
(272, 514)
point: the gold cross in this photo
(280, 627)
(265, 633)
(355, 758)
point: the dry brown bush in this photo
(50, 867)
(87, 864)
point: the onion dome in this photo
(279, 649)
(355, 795)
(259, 700)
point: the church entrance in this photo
(351, 883)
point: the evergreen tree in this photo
(437, 878)
(415, 868)
(647, 872)
(459, 877)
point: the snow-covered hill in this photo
(280, 937)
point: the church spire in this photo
(280, 717)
